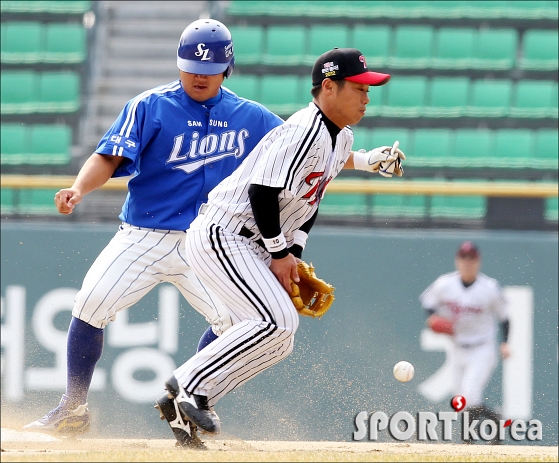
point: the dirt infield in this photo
(25, 446)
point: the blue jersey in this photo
(178, 149)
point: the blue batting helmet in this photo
(206, 48)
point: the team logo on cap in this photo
(329, 69)
(362, 59)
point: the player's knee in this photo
(295, 324)
(90, 300)
(93, 310)
(288, 330)
(94, 322)
(283, 341)
(288, 349)
(221, 325)
(290, 325)
(96, 319)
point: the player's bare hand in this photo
(505, 350)
(66, 199)
(285, 270)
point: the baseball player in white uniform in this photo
(178, 141)
(467, 305)
(239, 245)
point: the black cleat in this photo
(482, 412)
(194, 407)
(185, 432)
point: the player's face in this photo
(351, 101)
(201, 87)
(468, 268)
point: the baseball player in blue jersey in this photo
(177, 141)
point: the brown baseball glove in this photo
(311, 296)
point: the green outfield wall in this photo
(341, 364)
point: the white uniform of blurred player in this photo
(467, 305)
(239, 244)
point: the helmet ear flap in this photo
(229, 69)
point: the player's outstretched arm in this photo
(96, 171)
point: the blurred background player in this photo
(178, 141)
(240, 243)
(467, 305)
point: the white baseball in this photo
(403, 371)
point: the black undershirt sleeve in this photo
(265, 207)
(505, 327)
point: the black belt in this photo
(248, 234)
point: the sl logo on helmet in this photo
(203, 52)
(362, 59)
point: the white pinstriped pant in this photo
(135, 261)
(264, 318)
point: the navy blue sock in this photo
(85, 344)
(207, 338)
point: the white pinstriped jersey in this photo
(296, 156)
(474, 310)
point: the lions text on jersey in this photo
(178, 150)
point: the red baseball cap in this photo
(348, 64)
(468, 249)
